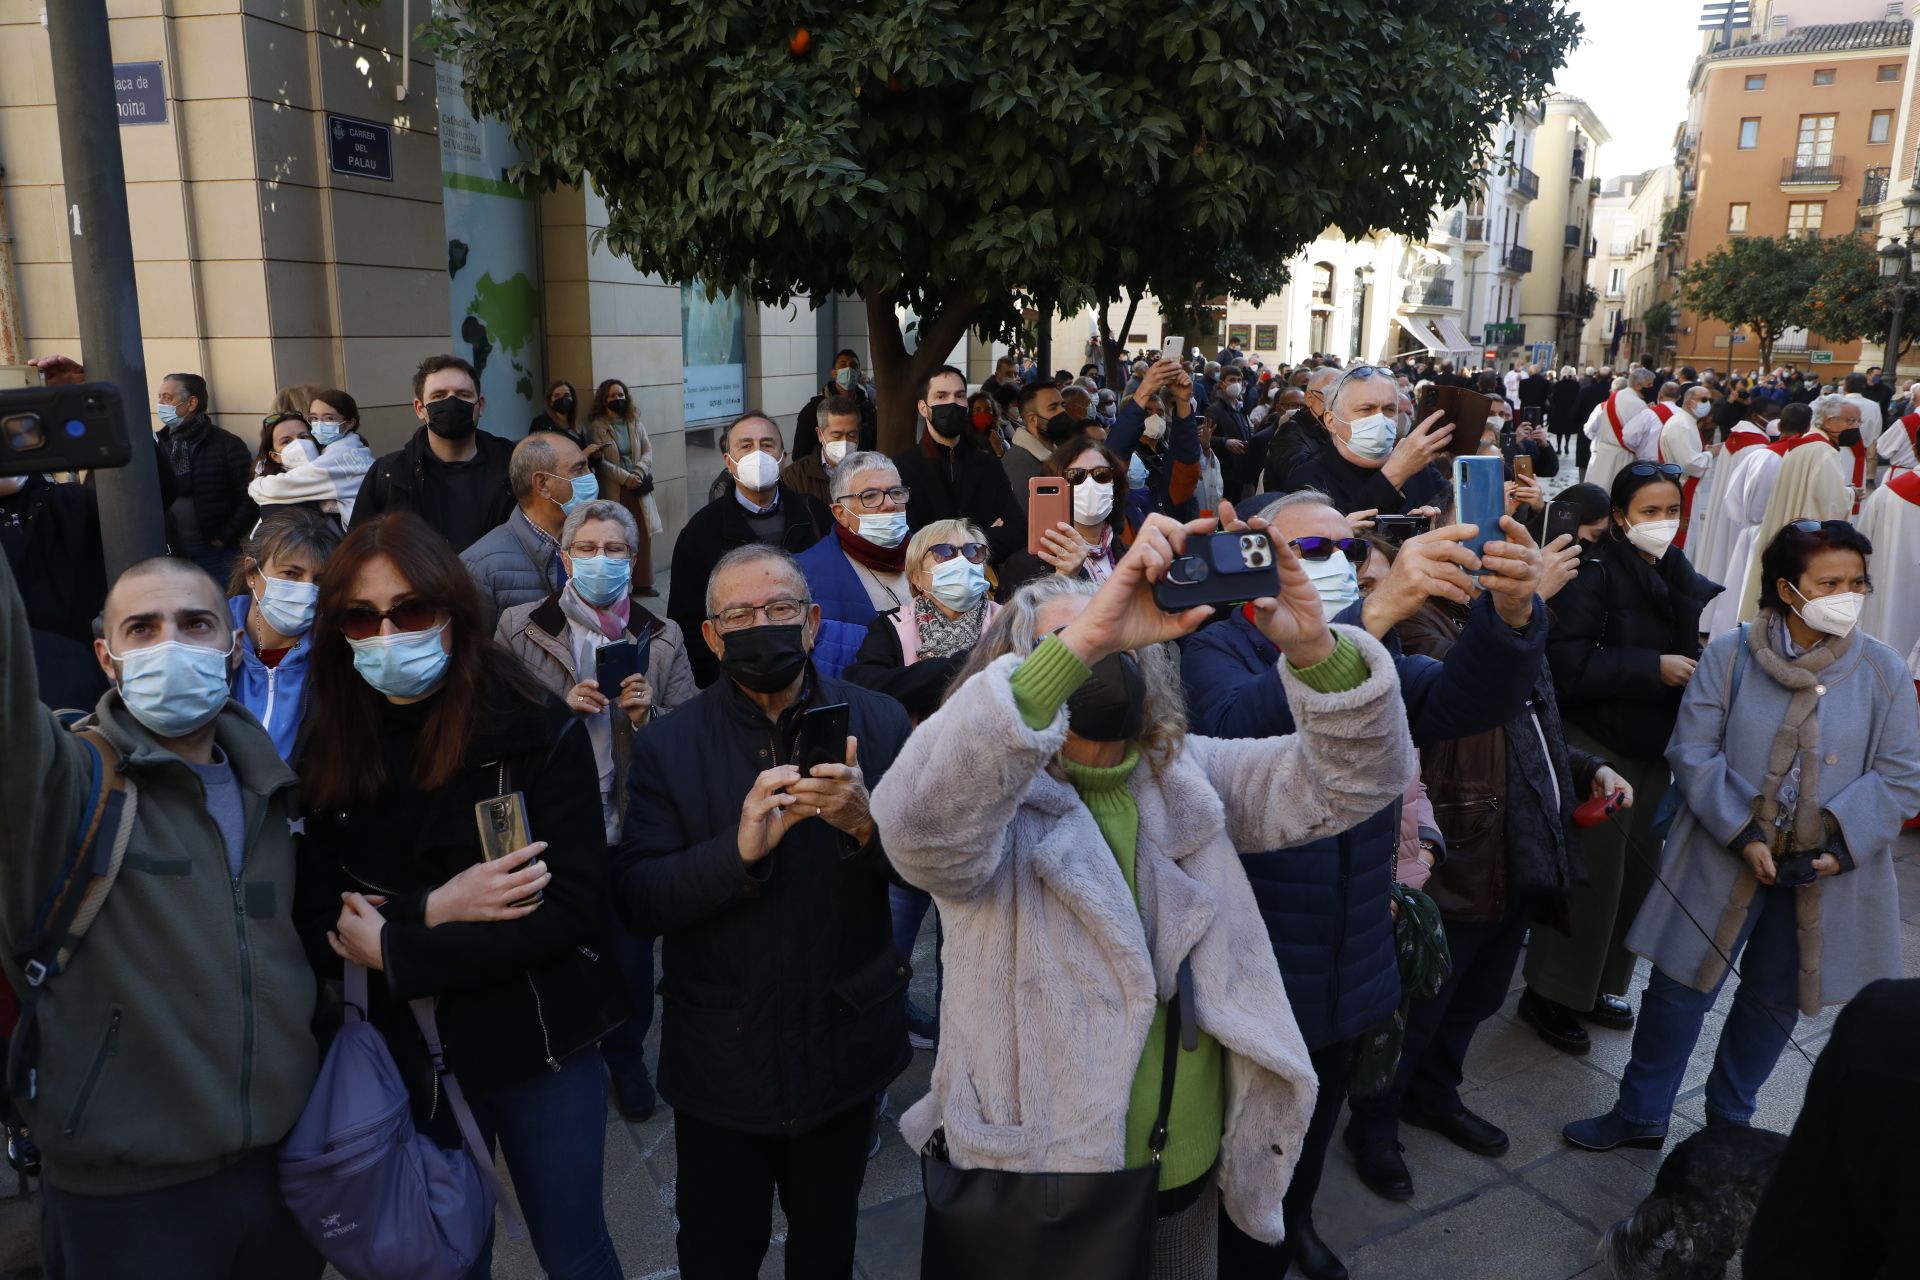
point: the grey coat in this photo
(1869, 783)
(511, 564)
(1051, 981)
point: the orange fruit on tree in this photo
(799, 42)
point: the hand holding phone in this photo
(1480, 499)
(1174, 348)
(1049, 505)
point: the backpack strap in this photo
(86, 877)
(457, 1100)
(1733, 681)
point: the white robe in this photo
(1891, 521)
(1895, 448)
(1744, 504)
(1639, 427)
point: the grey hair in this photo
(749, 554)
(1298, 498)
(1639, 377)
(853, 464)
(939, 531)
(1013, 629)
(1825, 407)
(530, 457)
(1566, 371)
(600, 509)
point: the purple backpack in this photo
(379, 1200)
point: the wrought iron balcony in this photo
(1429, 293)
(1527, 183)
(1573, 238)
(1813, 171)
(1519, 259)
(1579, 164)
(1874, 188)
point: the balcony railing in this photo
(1874, 187)
(1573, 237)
(1519, 259)
(1593, 247)
(1620, 249)
(1527, 183)
(1812, 171)
(1428, 293)
(1579, 164)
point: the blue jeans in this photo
(910, 907)
(553, 1129)
(625, 1046)
(1765, 1008)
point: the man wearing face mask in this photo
(756, 507)
(1233, 435)
(843, 381)
(839, 427)
(1369, 465)
(784, 1000)
(451, 474)
(519, 561)
(162, 1143)
(1325, 903)
(210, 469)
(1045, 425)
(859, 570)
(953, 475)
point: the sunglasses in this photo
(975, 552)
(1818, 526)
(1671, 470)
(362, 621)
(273, 420)
(1355, 550)
(1099, 475)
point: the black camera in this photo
(1795, 869)
(82, 427)
(1219, 568)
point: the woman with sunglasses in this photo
(1624, 644)
(1796, 756)
(326, 477)
(418, 717)
(1090, 545)
(911, 653)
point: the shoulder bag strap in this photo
(1733, 682)
(1176, 1036)
(463, 1115)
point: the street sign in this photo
(1819, 357)
(140, 92)
(1739, 337)
(359, 148)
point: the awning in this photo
(1423, 253)
(1456, 340)
(1421, 334)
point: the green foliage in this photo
(1849, 301)
(1759, 283)
(1658, 321)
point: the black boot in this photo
(1556, 1023)
(1379, 1165)
(1311, 1255)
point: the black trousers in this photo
(1241, 1256)
(230, 1225)
(726, 1184)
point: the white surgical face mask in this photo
(173, 688)
(958, 583)
(1373, 436)
(887, 529)
(1834, 615)
(758, 471)
(1702, 409)
(1154, 425)
(1335, 581)
(1653, 536)
(834, 450)
(298, 452)
(287, 605)
(1092, 501)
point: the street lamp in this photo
(1896, 264)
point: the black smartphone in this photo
(822, 738)
(613, 663)
(1394, 530)
(1562, 517)
(71, 428)
(1217, 569)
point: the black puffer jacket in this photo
(217, 480)
(1610, 626)
(394, 481)
(516, 997)
(784, 1001)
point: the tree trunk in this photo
(1110, 346)
(897, 375)
(1765, 338)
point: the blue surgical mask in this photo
(888, 529)
(167, 414)
(958, 583)
(601, 580)
(1373, 436)
(173, 688)
(1335, 581)
(288, 606)
(585, 489)
(325, 433)
(403, 665)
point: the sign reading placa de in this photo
(359, 147)
(140, 92)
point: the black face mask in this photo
(617, 407)
(451, 418)
(1112, 705)
(950, 420)
(563, 407)
(1059, 428)
(764, 659)
(1848, 438)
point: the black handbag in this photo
(988, 1224)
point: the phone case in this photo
(1480, 498)
(1561, 518)
(1049, 502)
(1219, 568)
(613, 663)
(822, 738)
(503, 825)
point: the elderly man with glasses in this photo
(858, 571)
(749, 848)
(1367, 463)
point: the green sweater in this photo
(1197, 1118)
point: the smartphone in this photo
(503, 829)
(1395, 530)
(68, 428)
(1562, 517)
(1465, 410)
(822, 738)
(1523, 466)
(1480, 498)
(614, 662)
(1049, 503)
(1174, 348)
(1217, 569)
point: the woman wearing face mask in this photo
(626, 465)
(983, 412)
(1624, 644)
(1796, 756)
(275, 584)
(417, 717)
(326, 477)
(1098, 536)
(1066, 823)
(911, 653)
(562, 415)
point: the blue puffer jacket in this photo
(845, 607)
(1325, 903)
(277, 696)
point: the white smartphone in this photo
(1174, 348)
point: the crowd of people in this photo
(1204, 881)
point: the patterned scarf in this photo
(1425, 960)
(941, 636)
(1793, 766)
(610, 622)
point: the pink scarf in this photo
(610, 622)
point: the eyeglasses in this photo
(362, 621)
(1671, 470)
(1078, 475)
(1355, 550)
(870, 499)
(975, 552)
(779, 612)
(587, 550)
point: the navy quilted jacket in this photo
(845, 607)
(1325, 903)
